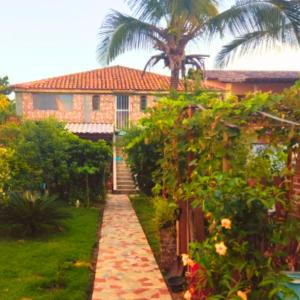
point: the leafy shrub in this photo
(245, 248)
(205, 143)
(165, 212)
(89, 164)
(7, 107)
(32, 214)
(5, 172)
(143, 157)
(48, 157)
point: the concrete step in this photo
(124, 174)
(126, 192)
(125, 178)
(123, 165)
(123, 171)
(125, 187)
(125, 182)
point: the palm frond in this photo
(120, 33)
(249, 16)
(244, 44)
(149, 10)
(154, 60)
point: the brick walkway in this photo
(126, 268)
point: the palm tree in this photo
(170, 25)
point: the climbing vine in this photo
(232, 160)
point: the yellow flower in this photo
(185, 258)
(221, 248)
(187, 295)
(242, 295)
(226, 223)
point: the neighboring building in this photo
(243, 82)
(99, 103)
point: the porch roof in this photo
(90, 128)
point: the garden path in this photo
(126, 268)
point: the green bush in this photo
(5, 172)
(89, 164)
(32, 214)
(48, 157)
(165, 212)
(208, 155)
(143, 157)
(245, 249)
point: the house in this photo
(94, 104)
(100, 103)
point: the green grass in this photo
(45, 269)
(145, 211)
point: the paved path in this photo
(126, 268)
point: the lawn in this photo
(54, 268)
(145, 212)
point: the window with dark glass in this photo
(96, 103)
(62, 102)
(143, 103)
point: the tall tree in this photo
(7, 107)
(169, 26)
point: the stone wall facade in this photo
(82, 111)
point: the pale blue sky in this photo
(44, 38)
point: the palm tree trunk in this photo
(175, 78)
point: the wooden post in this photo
(195, 217)
(226, 165)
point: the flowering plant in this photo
(245, 247)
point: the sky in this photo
(45, 38)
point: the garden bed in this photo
(58, 266)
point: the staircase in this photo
(125, 183)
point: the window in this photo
(62, 102)
(96, 103)
(143, 103)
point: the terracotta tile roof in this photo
(115, 78)
(252, 76)
(90, 128)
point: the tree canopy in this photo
(169, 26)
